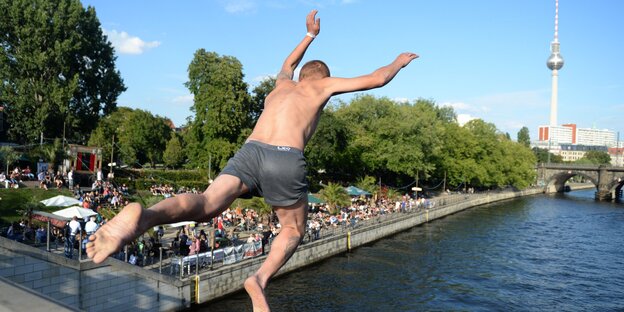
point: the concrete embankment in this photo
(226, 280)
(115, 285)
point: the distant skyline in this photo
(486, 59)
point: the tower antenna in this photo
(554, 63)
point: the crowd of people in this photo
(188, 240)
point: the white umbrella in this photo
(60, 201)
(178, 224)
(76, 211)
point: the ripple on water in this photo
(557, 253)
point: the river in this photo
(562, 252)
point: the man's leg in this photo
(293, 220)
(133, 220)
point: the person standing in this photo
(270, 164)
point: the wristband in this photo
(310, 35)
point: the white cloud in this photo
(239, 6)
(457, 105)
(183, 100)
(401, 100)
(462, 119)
(126, 44)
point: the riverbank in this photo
(121, 286)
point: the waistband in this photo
(278, 148)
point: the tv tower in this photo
(555, 62)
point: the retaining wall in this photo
(113, 285)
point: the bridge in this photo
(607, 179)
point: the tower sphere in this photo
(555, 61)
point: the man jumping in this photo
(270, 164)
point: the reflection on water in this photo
(560, 252)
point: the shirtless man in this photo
(269, 164)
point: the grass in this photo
(14, 200)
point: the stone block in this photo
(7, 272)
(17, 261)
(18, 278)
(41, 266)
(37, 275)
(23, 269)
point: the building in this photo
(571, 134)
(573, 152)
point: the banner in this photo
(253, 249)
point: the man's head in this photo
(314, 69)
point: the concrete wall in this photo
(229, 279)
(114, 285)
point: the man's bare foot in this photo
(113, 235)
(256, 293)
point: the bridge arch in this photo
(609, 180)
(557, 181)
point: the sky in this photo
(485, 58)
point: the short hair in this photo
(314, 68)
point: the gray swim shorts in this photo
(277, 173)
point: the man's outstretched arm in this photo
(313, 26)
(376, 79)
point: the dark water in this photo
(554, 253)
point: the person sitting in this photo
(13, 180)
(27, 173)
(58, 180)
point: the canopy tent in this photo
(355, 191)
(60, 201)
(75, 211)
(49, 218)
(55, 220)
(314, 200)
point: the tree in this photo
(596, 157)
(173, 155)
(56, 69)
(140, 136)
(335, 196)
(222, 108)
(523, 137)
(8, 156)
(542, 156)
(328, 149)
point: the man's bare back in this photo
(291, 113)
(289, 119)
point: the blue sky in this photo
(486, 58)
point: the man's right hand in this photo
(405, 58)
(313, 25)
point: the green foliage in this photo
(224, 111)
(8, 156)
(140, 137)
(221, 98)
(16, 202)
(542, 156)
(260, 206)
(57, 69)
(335, 196)
(523, 137)
(595, 157)
(173, 155)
